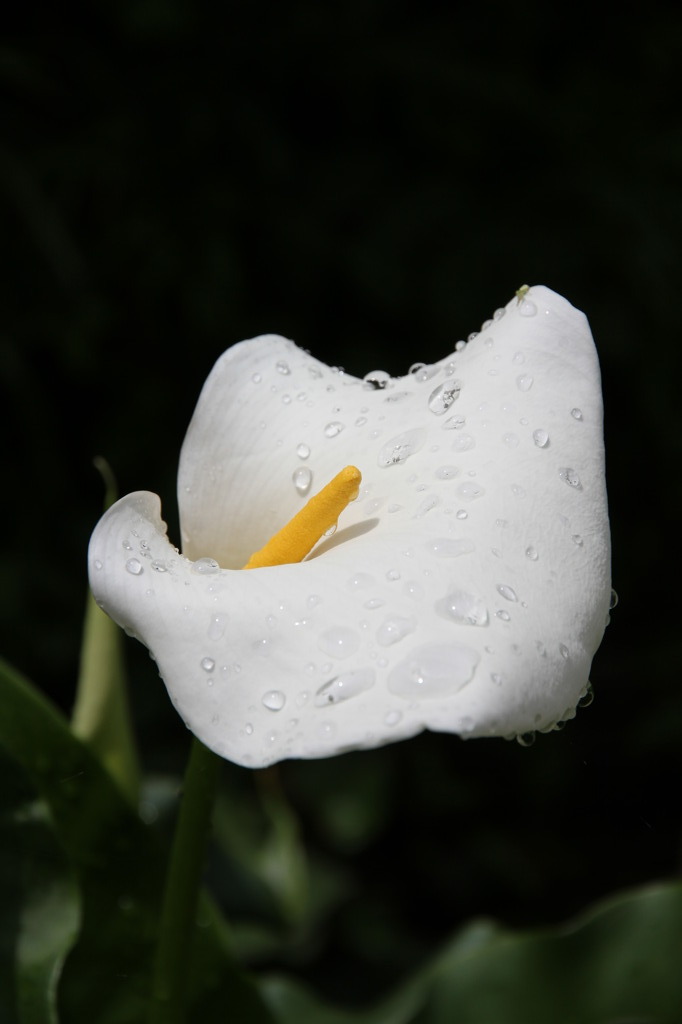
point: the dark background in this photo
(371, 179)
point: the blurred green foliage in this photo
(371, 179)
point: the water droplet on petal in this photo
(339, 641)
(394, 629)
(454, 423)
(377, 379)
(393, 717)
(532, 554)
(333, 429)
(505, 616)
(563, 651)
(587, 698)
(613, 600)
(208, 664)
(463, 443)
(392, 575)
(511, 440)
(577, 414)
(570, 477)
(282, 367)
(134, 566)
(526, 739)
(303, 451)
(508, 593)
(524, 382)
(344, 686)
(446, 472)
(449, 547)
(98, 564)
(400, 448)
(499, 313)
(470, 491)
(274, 700)
(433, 670)
(205, 566)
(527, 308)
(442, 397)
(463, 608)
(541, 438)
(303, 479)
(217, 627)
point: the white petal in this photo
(465, 591)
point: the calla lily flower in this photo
(465, 590)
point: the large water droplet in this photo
(532, 554)
(524, 382)
(274, 700)
(205, 566)
(613, 600)
(508, 593)
(208, 664)
(344, 686)
(333, 429)
(303, 479)
(400, 448)
(527, 308)
(526, 739)
(394, 629)
(303, 451)
(442, 397)
(339, 641)
(576, 414)
(570, 477)
(134, 566)
(433, 670)
(541, 438)
(463, 608)
(587, 697)
(450, 547)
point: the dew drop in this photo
(394, 629)
(303, 451)
(400, 448)
(570, 477)
(508, 593)
(527, 308)
(205, 566)
(159, 566)
(577, 414)
(374, 603)
(426, 505)
(613, 601)
(526, 739)
(532, 554)
(462, 513)
(303, 479)
(505, 616)
(499, 313)
(442, 397)
(587, 698)
(273, 700)
(463, 608)
(518, 357)
(497, 678)
(98, 564)
(446, 472)
(449, 547)
(345, 686)
(393, 717)
(333, 429)
(208, 664)
(563, 651)
(433, 670)
(339, 641)
(376, 379)
(524, 382)
(282, 367)
(577, 540)
(392, 575)
(470, 491)
(541, 438)
(217, 627)
(511, 440)
(134, 566)
(463, 443)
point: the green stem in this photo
(178, 913)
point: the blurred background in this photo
(372, 180)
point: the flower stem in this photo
(183, 879)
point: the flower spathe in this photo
(465, 590)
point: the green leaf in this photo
(120, 868)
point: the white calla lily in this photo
(465, 590)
